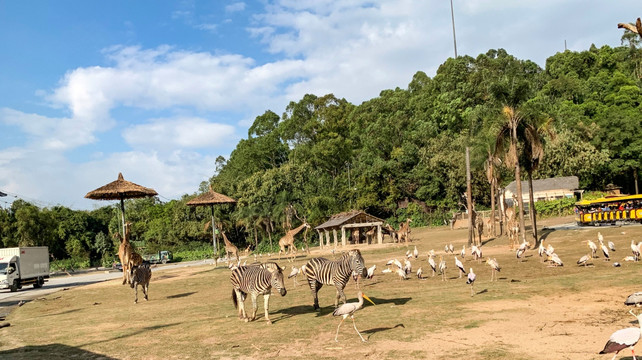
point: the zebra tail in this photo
(236, 305)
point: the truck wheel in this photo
(164, 261)
(38, 283)
(14, 286)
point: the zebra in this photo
(320, 271)
(140, 275)
(256, 279)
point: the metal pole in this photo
(214, 241)
(452, 15)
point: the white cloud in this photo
(179, 133)
(235, 7)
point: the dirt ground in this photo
(534, 311)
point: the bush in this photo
(559, 207)
(69, 264)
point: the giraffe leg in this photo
(136, 294)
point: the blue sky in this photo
(158, 89)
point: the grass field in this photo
(533, 312)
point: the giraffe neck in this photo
(296, 230)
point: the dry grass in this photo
(532, 312)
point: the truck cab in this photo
(9, 272)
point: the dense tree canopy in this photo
(324, 155)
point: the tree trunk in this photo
(520, 201)
(635, 176)
(532, 209)
(492, 208)
(469, 198)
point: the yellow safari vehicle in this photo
(609, 210)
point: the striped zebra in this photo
(256, 280)
(320, 271)
(140, 275)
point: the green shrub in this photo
(69, 264)
(559, 207)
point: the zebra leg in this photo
(240, 300)
(136, 292)
(314, 287)
(266, 305)
(145, 289)
(254, 296)
(340, 295)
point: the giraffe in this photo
(404, 231)
(370, 235)
(128, 257)
(288, 240)
(230, 249)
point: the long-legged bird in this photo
(348, 309)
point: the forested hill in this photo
(324, 155)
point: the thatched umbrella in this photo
(212, 198)
(121, 190)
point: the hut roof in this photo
(120, 189)
(559, 183)
(2, 194)
(210, 198)
(351, 217)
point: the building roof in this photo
(559, 183)
(348, 217)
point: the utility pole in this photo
(452, 16)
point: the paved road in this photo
(8, 299)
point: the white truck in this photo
(23, 266)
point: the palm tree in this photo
(508, 133)
(533, 154)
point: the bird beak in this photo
(367, 298)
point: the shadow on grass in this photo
(62, 313)
(131, 333)
(481, 292)
(376, 330)
(51, 351)
(181, 295)
(396, 301)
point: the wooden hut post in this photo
(343, 235)
(327, 237)
(320, 239)
(379, 235)
(334, 234)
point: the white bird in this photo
(624, 338)
(431, 252)
(460, 266)
(556, 261)
(442, 268)
(409, 256)
(433, 266)
(634, 299)
(398, 263)
(494, 268)
(386, 270)
(293, 274)
(390, 262)
(476, 252)
(600, 237)
(635, 249)
(451, 248)
(630, 258)
(519, 252)
(541, 251)
(416, 252)
(611, 246)
(420, 273)
(402, 274)
(371, 271)
(463, 252)
(592, 246)
(446, 248)
(407, 268)
(348, 309)
(584, 259)
(471, 281)
(605, 251)
(408, 253)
